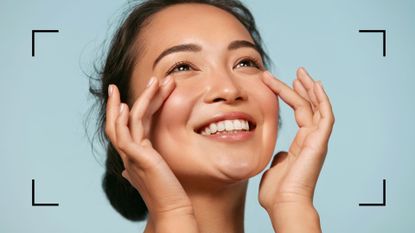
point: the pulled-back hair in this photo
(117, 69)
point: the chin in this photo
(241, 167)
(237, 173)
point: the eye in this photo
(179, 67)
(249, 62)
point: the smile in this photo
(234, 126)
(226, 126)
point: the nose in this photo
(224, 87)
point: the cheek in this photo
(265, 98)
(267, 102)
(171, 119)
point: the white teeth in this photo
(213, 128)
(221, 126)
(227, 125)
(237, 124)
(208, 131)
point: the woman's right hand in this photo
(145, 168)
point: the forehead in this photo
(192, 23)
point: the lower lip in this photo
(231, 137)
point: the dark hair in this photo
(117, 69)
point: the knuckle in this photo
(331, 119)
(108, 131)
(123, 145)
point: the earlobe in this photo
(125, 175)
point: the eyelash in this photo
(254, 61)
(179, 64)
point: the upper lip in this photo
(227, 116)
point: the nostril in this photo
(218, 100)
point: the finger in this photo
(303, 112)
(166, 89)
(139, 109)
(308, 83)
(299, 88)
(308, 167)
(137, 122)
(327, 117)
(112, 111)
(280, 163)
(125, 144)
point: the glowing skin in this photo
(215, 83)
(190, 179)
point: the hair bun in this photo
(124, 197)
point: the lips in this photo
(226, 122)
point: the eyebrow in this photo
(237, 44)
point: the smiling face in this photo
(217, 70)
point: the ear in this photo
(125, 175)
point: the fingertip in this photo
(305, 76)
(169, 83)
(166, 81)
(304, 71)
(124, 110)
(110, 90)
(267, 75)
(151, 82)
(300, 71)
(113, 95)
(122, 106)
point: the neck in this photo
(218, 209)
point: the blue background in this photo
(44, 100)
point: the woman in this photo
(191, 113)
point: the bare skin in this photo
(191, 182)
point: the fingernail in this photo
(306, 72)
(121, 108)
(303, 69)
(110, 89)
(151, 81)
(166, 81)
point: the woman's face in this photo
(213, 65)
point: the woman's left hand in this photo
(293, 175)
